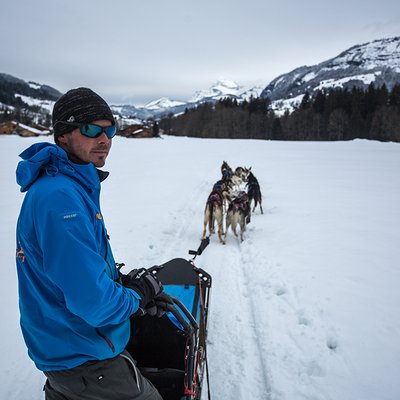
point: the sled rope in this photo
(207, 375)
(205, 347)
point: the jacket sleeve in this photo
(73, 262)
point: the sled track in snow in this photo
(258, 334)
(240, 335)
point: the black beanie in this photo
(80, 105)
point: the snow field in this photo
(305, 308)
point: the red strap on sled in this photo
(196, 369)
(188, 391)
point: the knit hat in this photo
(80, 105)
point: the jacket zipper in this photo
(108, 341)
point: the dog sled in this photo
(171, 351)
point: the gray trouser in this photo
(113, 379)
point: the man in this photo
(75, 314)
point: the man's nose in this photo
(103, 138)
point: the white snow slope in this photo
(306, 308)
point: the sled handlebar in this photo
(172, 308)
(186, 312)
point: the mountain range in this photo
(375, 62)
(162, 107)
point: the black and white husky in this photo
(238, 178)
(226, 170)
(253, 190)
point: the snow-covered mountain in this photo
(224, 88)
(162, 107)
(17, 92)
(41, 98)
(162, 104)
(377, 62)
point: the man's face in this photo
(94, 150)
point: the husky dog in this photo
(225, 186)
(245, 173)
(214, 213)
(242, 172)
(238, 214)
(238, 177)
(253, 190)
(226, 170)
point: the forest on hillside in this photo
(338, 114)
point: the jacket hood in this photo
(51, 159)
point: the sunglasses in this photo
(93, 130)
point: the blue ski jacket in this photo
(72, 308)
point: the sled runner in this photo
(171, 350)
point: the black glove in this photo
(158, 306)
(144, 283)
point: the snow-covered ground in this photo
(307, 307)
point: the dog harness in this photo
(214, 198)
(240, 203)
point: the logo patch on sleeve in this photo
(69, 216)
(20, 253)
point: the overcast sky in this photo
(132, 51)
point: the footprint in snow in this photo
(280, 291)
(301, 319)
(332, 343)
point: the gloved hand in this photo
(144, 283)
(158, 306)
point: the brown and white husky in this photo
(214, 213)
(238, 214)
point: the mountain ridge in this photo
(375, 62)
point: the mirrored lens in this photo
(91, 130)
(94, 131)
(111, 131)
